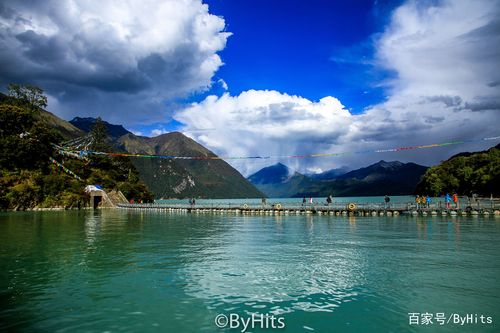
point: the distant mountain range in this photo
(329, 175)
(169, 178)
(217, 179)
(85, 124)
(392, 178)
(275, 174)
(278, 181)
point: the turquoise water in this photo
(121, 271)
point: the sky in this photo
(248, 78)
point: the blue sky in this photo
(300, 48)
(308, 48)
(247, 78)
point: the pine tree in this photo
(98, 134)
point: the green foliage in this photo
(27, 96)
(21, 189)
(99, 134)
(137, 192)
(477, 173)
(24, 143)
(27, 177)
(23, 195)
(14, 120)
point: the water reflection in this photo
(266, 269)
(352, 223)
(91, 229)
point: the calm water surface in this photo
(119, 271)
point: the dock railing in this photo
(479, 205)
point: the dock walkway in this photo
(335, 209)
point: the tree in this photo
(28, 178)
(98, 134)
(28, 96)
(24, 142)
(476, 173)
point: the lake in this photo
(126, 271)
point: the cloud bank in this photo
(445, 60)
(124, 59)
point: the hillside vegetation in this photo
(29, 178)
(466, 174)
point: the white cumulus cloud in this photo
(261, 123)
(120, 59)
(445, 59)
(157, 131)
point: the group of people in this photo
(304, 201)
(448, 199)
(424, 201)
(329, 200)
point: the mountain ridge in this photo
(392, 178)
(329, 174)
(175, 178)
(85, 124)
(178, 178)
(276, 173)
(67, 130)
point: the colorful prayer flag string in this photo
(68, 171)
(84, 153)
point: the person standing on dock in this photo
(387, 200)
(303, 201)
(329, 200)
(422, 201)
(455, 200)
(447, 200)
(417, 201)
(428, 201)
(264, 202)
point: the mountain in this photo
(177, 178)
(382, 169)
(65, 128)
(277, 181)
(86, 124)
(293, 186)
(273, 174)
(465, 173)
(330, 174)
(392, 178)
